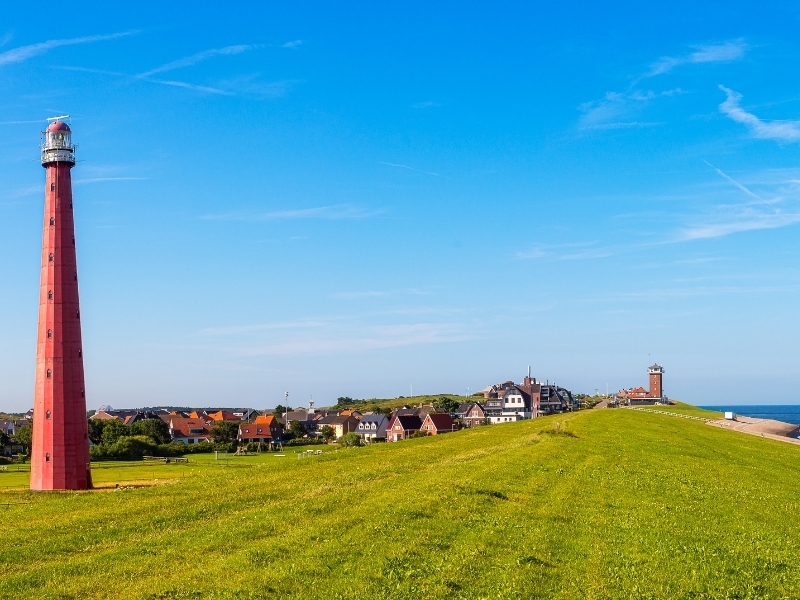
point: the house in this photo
(402, 426)
(304, 417)
(7, 427)
(655, 395)
(186, 430)
(373, 427)
(343, 424)
(350, 412)
(436, 423)
(471, 414)
(223, 415)
(555, 399)
(245, 414)
(513, 404)
(262, 429)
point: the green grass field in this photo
(617, 504)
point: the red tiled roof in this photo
(182, 427)
(223, 415)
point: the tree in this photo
(156, 429)
(445, 404)
(280, 409)
(4, 439)
(350, 440)
(113, 430)
(327, 433)
(24, 436)
(96, 427)
(344, 401)
(297, 429)
(224, 432)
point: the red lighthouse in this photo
(60, 453)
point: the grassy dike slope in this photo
(625, 504)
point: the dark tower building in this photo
(60, 453)
(656, 373)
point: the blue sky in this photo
(355, 200)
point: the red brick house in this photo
(436, 423)
(402, 427)
(263, 430)
(472, 414)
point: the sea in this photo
(788, 413)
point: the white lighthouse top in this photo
(57, 144)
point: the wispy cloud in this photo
(24, 53)
(745, 220)
(334, 212)
(293, 44)
(784, 131)
(778, 205)
(727, 177)
(399, 166)
(620, 110)
(191, 86)
(188, 61)
(6, 38)
(711, 53)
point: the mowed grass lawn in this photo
(619, 504)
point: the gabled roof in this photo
(408, 422)
(374, 418)
(267, 420)
(223, 415)
(182, 426)
(440, 421)
(259, 429)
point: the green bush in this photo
(350, 440)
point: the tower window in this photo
(50, 294)
(80, 353)
(47, 457)
(52, 187)
(76, 276)
(83, 393)
(49, 373)
(73, 240)
(47, 414)
(78, 314)
(52, 221)
(49, 333)
(51, 257)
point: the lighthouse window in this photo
(47, 457)
(76, 276)
(78, 314)
(49, 373)
(51, 257)
(52, 187)
(80, 353)
(52, 221)
(49, 333)
(47, 414)
(50, 295)
(83, 393)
